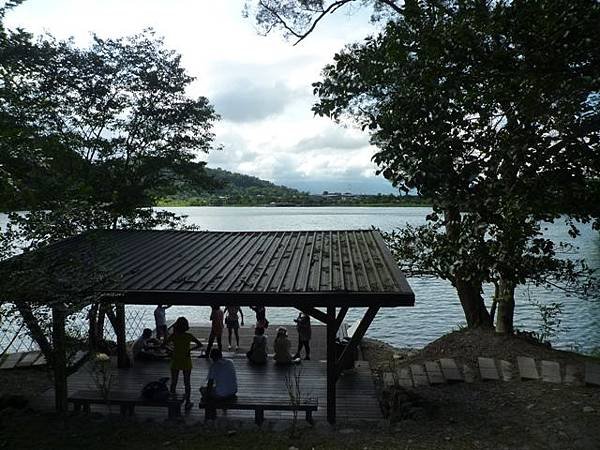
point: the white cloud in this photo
(260, 85)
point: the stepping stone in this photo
(450, 370)
(572, 374)
(11, 360)
(434, 373)
(551, 372)
(506, 369)
(419, 376)
(469, 374)
(388, 379)
(487, 369)
(592, 374)
(527, 368)
(28, 359)
(404, 378)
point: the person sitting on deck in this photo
(181, 359)
(281, 347)
(145, 348)
(221, 381)
(258, 351)
(216, 329)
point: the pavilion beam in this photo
(331, 366)
(122, 357)
(340, 318)
(362, 328)
(316, 314)
(59, 359)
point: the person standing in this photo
(160, 318)
(233, 324)
(261, 316)
(181, 359)
(304, 334)
(216, 329)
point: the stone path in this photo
(446, 370)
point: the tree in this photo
(487, 108)
(91, 138)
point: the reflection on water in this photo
(437, 309)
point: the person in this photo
(181, 359)
(261, 316)
(233, 324)
(216, 329)
(221, 381)
(304, 333)
(258, 351)
(145, 347)
(160, 318)
(281, 347)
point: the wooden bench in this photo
(259, 406)
(127, 401)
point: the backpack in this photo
(156, 390)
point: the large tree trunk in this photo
(35, 331)
(469, 292)
(473, 305)
(506, 307)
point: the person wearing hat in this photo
(281, 347)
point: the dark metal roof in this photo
(278, 268)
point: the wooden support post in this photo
(59, 360)
(315, 314)
(340, 318)
(122, 357)
(331, 378)
(356, 338)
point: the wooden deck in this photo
(356, 396)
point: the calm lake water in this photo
(437, 309)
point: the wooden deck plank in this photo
(28, 359)
(527, 368)
(487, 369)
(356, 396)
(551, 372)
(434, 373)
(11, 361)
(450, 370)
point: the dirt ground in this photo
(519, 415)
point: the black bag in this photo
(156, 390)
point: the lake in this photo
(437, 309)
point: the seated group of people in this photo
(281, 348)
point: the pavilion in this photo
(306, 270)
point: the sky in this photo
(261, 86)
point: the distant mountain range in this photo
(245, 190)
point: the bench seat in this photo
(259, 406)
(127, 401)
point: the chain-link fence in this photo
(14, 335)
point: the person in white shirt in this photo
(160, 318)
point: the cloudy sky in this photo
(261, 86)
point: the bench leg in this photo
(309, 417)
(175, 411)
(259, 416)
(210, 413)
(86, 408)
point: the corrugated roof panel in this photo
(240, 265)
